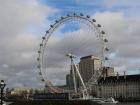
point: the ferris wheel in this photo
(42, 52)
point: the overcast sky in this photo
(24, 22)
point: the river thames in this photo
(128, 103)
(121, 103)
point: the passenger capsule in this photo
(43, 38)
(106, 49)
(74, 14)
(102, 32)
(38, 59)
(38, 66)
(56, 21)
(47, 32)
(105, 40)
(88, 16)
(81, 14)
(39, 51)
(62, 17)
(106, 58)
(93, 20)
(51, 26)
(42, 80)
(40, 73)
(98, 25)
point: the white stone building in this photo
(120, 87)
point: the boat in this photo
(104, 101)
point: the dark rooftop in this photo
(123, 78)
(89, 56)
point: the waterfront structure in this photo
(88, 65)
(121, 87)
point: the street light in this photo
(2, 86)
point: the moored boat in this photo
(103, 101)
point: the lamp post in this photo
(2, 86)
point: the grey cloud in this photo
(18, 45)
(123, 35)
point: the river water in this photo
(120, 103)
(129, 103)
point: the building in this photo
(108, 71)
(88, 65)
(126, 87)
(70, 79)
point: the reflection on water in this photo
(120, 103)
(124, 103)
(129, 103)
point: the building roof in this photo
(123, 78)
(89, 56)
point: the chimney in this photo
(124, 74)
(104, 76)
(117, 75)
(104, 73)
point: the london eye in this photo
(54, 47)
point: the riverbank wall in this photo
(55, 102)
